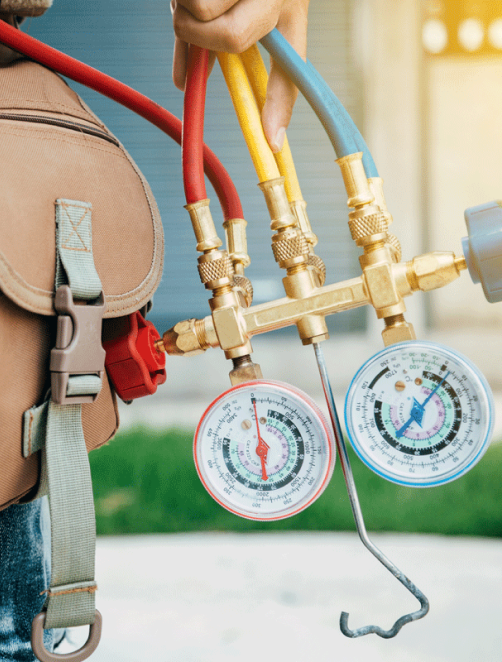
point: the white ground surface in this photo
(242, 598)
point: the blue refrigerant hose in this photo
(343, 133)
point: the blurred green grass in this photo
(145, 482)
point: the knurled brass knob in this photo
(395, 246)
(215, 267)
(243, 285)
(289, 247)
(319, 267)
(365, 226)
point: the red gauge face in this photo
(264, 450)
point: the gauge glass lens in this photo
(264, 450)
(419, 414)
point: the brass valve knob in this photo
(368, 226)
(243, 286)
(289, 246)
(395, 246)
(215, 269)
(319, 267)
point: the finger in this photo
(207, 10)
(180, 57)
(242, 25)
(278, 108)
(281, 92)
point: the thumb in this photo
(281, 92)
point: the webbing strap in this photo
(70, 598)
(75, 264)
(65, 464)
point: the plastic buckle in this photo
(134, 365)
(78, 349)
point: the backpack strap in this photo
(77, 364)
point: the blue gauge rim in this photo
(424, 482)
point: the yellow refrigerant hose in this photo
(248, 115)
(258, 78)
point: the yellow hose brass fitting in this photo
(289, 245)
(299, 211)
(291, 251)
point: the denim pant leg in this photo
(24, 575)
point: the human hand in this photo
(233, 26)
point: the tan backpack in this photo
(79, 219)
(53, 147)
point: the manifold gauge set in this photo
(417, 413)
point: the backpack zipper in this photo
(66, 124)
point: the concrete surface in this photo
(228, 597)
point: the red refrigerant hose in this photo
(125, 95)
(192, 141)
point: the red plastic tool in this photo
(135, 367)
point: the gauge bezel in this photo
(328, 455)
(482, 389)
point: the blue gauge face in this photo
(419, 414)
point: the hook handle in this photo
(361, 528)
(388, 634)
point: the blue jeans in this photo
(24, 575)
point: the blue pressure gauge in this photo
(419, 414)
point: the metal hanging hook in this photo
(361, 528)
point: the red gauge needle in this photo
(262, 448)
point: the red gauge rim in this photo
(329, 463)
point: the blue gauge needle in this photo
(418, 410)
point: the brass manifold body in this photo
(384, 283)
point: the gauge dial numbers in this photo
(264, 450)
(419, 414)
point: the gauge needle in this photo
(418, 410)
(262, 448)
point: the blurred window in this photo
(467, 27)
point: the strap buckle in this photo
(78, 349)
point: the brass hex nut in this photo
(182, 339)
(245, 373)
(398, 333)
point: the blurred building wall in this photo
(432, 118)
